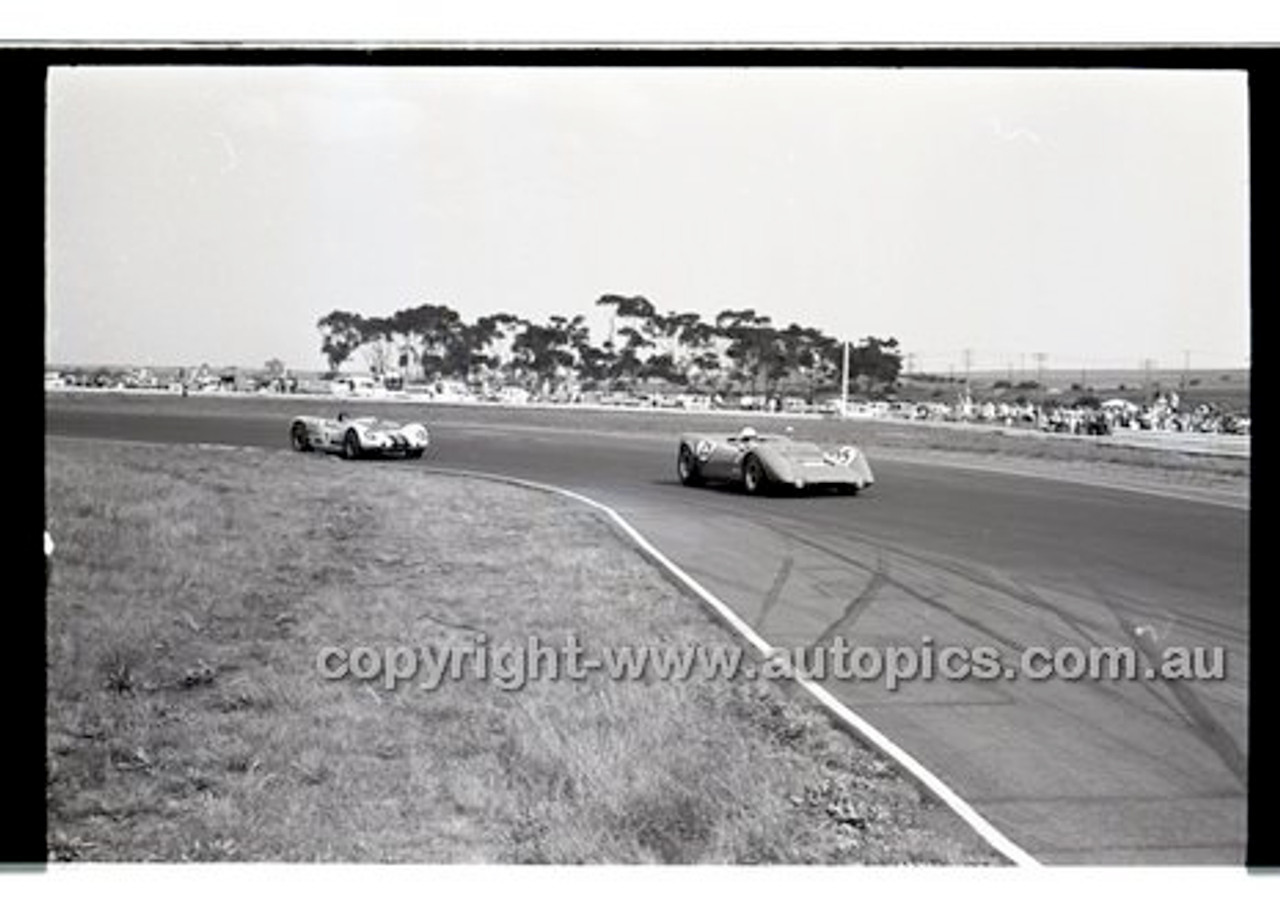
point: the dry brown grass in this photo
(193, 589)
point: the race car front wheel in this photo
(298, 436)
(687, 468)
(351, 445)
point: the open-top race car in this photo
(760, 462)
(354, 437)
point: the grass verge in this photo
(193, 589)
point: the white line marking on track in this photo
(983, 828)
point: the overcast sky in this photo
(214, 214)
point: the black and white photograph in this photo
(714, 460)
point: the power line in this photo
(1040, 357)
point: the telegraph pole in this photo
(968, 362)
(844, 383)
(1040, 358)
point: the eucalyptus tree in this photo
(341, 336)
(752, 347)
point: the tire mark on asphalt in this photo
(1077, 624)
(1028, 595)
(932, 601)
(1024, 594)
(1018, 593)
(1207, 727)
(1224, 630)
(1021, 592)
(775, 590)
(1070, 711)
(1171, 715)
(858, 604)
(1034, 599)
(1219, 630)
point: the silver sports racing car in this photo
(357, 437)
(775, 461)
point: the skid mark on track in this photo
(1125, 629)
(1034, 599)
(1207, 727)
(775, 590)
(858, 604)
(1076, 624)
(1210, 627)
(913, 591)
(1018, 593)
(1167, 712)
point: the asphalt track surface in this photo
(1074, 770)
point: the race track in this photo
(1074, 770)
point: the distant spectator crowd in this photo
(1164, 413)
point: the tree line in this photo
(739, 350)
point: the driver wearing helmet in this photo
(747, 434)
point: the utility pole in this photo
(1186, 370)
(844, 383)
(1040, 358)
(968, 362)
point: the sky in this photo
(215, 214)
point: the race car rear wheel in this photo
(351, 445)
(753, 476)
(687, 468)
(298, 436)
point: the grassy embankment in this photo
(193, 589)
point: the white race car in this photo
(355, 437)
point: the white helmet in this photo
(747, 433)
